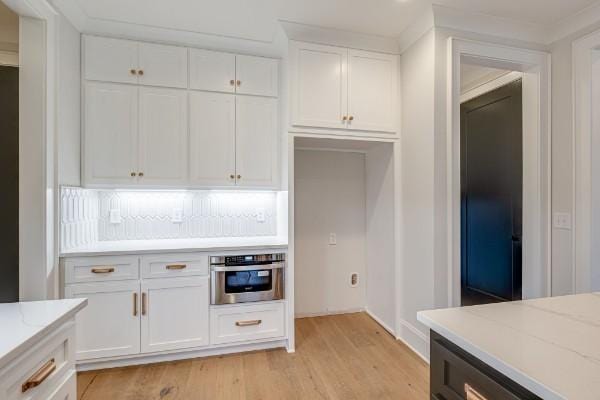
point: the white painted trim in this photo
(535, 66)
(140, 359)
(326, 313)
(574, 23)
(9, 58)
(584, 131)
(380, 322)
(415, 31)
(490, 86)
(418, 334)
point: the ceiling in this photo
(257, 19)
(472, 76)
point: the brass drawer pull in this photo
(473, 394)
(105, 270)
(249, 323)
(135, 305)
(144, 306)
(176, 266)
(40, 376)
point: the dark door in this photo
(9, 180)
(491, 196)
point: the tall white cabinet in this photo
(342, 89)
(158, 116)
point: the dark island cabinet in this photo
(456, 375)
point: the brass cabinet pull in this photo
(232, 176)
(239, 177)
(104, 270)
(473, 394)
(132, 71)
(239, 83)
(351, 118)
(133, 174)
(39, 376)
(135, 305)
(249, 323)
(232, 82)
(140, 174)
(344, 118)
(141, 72)
(144, 305)
(176, 266)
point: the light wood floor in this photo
(337, 357)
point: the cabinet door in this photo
(318, 85)
(212, 139)
(212, 70)
(162, 136)
(175, 313)
(161, 65)
(257, 75)
(110, 60)
(372, 91)
(110, 141)
(256, 142)
(110, 324)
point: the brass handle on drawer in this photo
(135, 305)
(106, 270)
(249, 323)
(39, 376)
(144, 306)
(176, 266)
(473, 394)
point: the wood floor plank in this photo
(341, 357)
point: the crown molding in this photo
(73, 12)
(416, 30)
(568, 26)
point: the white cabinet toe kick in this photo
(156, 307)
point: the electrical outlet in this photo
(354, 279)
(562, 220)
(177, 216)
(260, 216)
(115, 216)
(332, 239)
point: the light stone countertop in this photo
(123, 247)
(550, 346)
(25, 323)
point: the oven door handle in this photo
(256, 267)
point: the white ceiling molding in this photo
(575, 23)
(73, 12)
(416, 30)
(336, 37)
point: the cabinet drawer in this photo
(246, 322)
(42, 370)
(98, 269)
(68, 389)
(173, 265)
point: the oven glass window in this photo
(248, 281)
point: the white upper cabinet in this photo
(162, 136)
(212, 70)
(212, 139)
(256, 142)
(110, 141)
(257, 76)
(110, 60)
(372, 89)
(342, 89)
(319, 85)
(126, 61)
(161, 65)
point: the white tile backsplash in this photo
(86, 215)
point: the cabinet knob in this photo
(231, 176)
(232, 82)
(133, 174)
(351, 118)
(140, 174)
(141, 72)
(344, 118)
(132, 71)
(239, 177)
(239, 83)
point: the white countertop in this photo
(23, 324)
(162, 245)
(549, 346)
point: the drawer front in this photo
(99, 269)
(174, 265)
(68, 389)
(247, 322)
(457, 375)
(42, 370)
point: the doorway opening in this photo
(491, 179)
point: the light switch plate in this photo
(332, 239)
(562, 220)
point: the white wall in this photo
(68, 104)
(329, 198)
(9, 29)
(381, 240)
(416, 279)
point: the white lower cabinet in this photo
(231, 324)
(174, 313)
(109, 326)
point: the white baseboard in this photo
(140, 359)
(380, 322)
(414, 339)
(325, 313)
